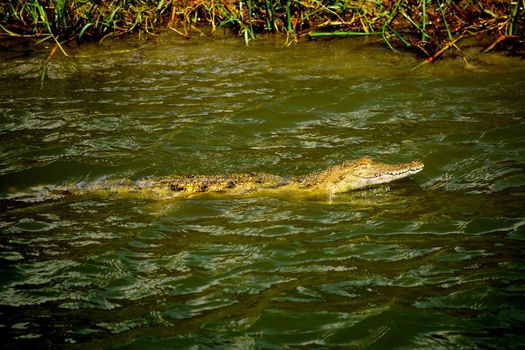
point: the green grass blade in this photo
(440, 7)
(288, 16)
(341, 34)
(424, 21)
(83, 30)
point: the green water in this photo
(435, 261)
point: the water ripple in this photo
(430, 261)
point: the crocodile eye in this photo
(364, 162)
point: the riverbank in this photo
(428, 28)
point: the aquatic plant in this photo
(425, 26)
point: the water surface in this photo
(434, 261)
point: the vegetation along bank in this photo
(427, 27)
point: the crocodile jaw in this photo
(399, 172)
(364, 172)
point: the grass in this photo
(424, 26)
(427, 27)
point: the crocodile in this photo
(348, 176)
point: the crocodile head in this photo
(359, 173)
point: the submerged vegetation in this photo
(429, 27)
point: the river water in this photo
(434, 261)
